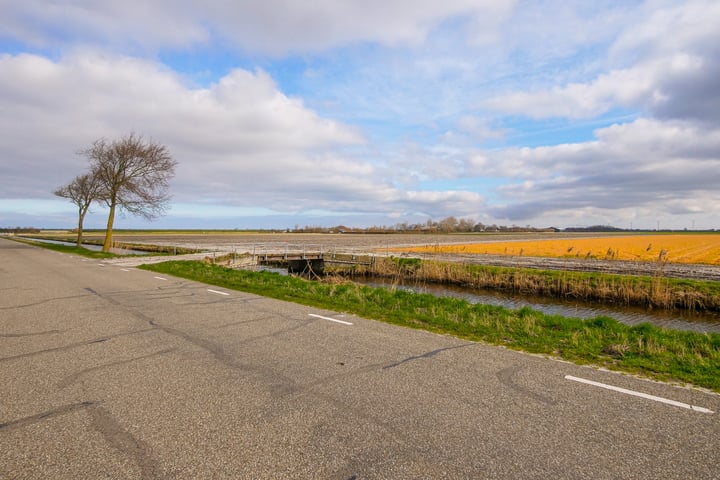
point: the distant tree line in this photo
(463, 225)
(19, 230)
(446, 225)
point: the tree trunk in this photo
(108, 233)
(81, 217)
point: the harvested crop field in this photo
(365, 242)
(425, 245)
(681, 248)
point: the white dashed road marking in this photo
(217, 291)
(639, 394)
(329, 319)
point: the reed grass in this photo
(652, 292)
(664, 354)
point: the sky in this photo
(371, 112)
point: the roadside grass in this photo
(652, 292)
(75, 250)
(663, 354)
(158, 250)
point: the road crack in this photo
(70, 379)
(507, 378)
(429, 354)
(123, 441)
(63, 410)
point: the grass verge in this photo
(75, 250)
(663, 354)
(653, 292)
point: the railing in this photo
(287, 250)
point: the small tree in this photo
(81, 191)
(134, 176)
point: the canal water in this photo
(675, 319)
(702, 322)
(95, 248)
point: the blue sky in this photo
(371, 112)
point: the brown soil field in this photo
(366, 241)
(398, 244)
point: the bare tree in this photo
(81, 191)
(134, 175)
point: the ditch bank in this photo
(657, 292)
(617, 267)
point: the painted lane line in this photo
(217, 291)
(161, 278)
(330, 319)
(640, 394)
(100, 265)
(124, 269)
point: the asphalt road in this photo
(115, 372)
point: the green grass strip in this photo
(659, 353)
(73, 249)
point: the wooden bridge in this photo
(307, 258)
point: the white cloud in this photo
(131, 23)
(238, 142)
(241, 124)
(648, 164)
(676, 57)
(269, 27)
(398, 99)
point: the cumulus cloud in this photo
(239, 142)
(648, 164)
(676, 61)
(401, 102)
(270, 27)
(665, 162)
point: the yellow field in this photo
(700, 248)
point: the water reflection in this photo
(678, 319)
(94, 248)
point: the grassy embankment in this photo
(72, 249)
(664, 354)
(141, 247)
(653, 292)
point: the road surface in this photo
(115, 372)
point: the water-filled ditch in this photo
(629, 315)
(676, 319)
(95, 248)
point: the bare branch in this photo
(81, 191)
(134, 175)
